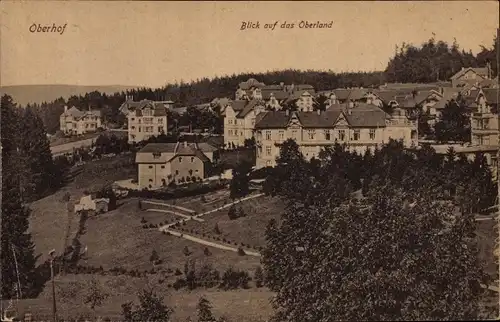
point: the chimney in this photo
(287, 112)
(65, 108)
(282, 85)
(185, 144)
(318, 111)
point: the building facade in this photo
(484, 119)
(75, 122)
(362, 127)
(146, 119)
(159, 164)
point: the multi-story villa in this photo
(253, 98)
(146, 119)
(239, 120)
(75, 122)
(484, 120)
(361, 127)
(158, 164)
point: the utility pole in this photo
(54, 310)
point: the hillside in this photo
(24, 94)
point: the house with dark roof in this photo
(145, 119)
(470, 75)
(239, 120)
(159, 164)
(76, 122)
(361, 127)
(484, 118)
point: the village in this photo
(231, 178)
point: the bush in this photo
(178, 272)
(232, 213)
(143, 221)
(241, 252)
(186, 251)
(207, 252)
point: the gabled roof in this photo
(249, 107)
(297, 94)
(342, 94)
(364, 115)
(238, 105)
(77, 114)
(251, 82)
(168, 151)
(279, 94)
(483, 71)
(491, 95)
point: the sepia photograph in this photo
(237, 161)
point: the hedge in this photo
(180, 192)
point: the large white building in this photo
(361, 127)
(145, 119)
(75, 122)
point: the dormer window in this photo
(156, 155)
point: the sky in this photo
(155, 43)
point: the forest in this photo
(434, 60)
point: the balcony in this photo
(484, 131)
(483, 115)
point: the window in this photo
(148, 120)
(327, 134)
(268, 135)
(253, 121)
(268, 150)
(485, 124)
(192, 159)
(163, 167)
(282, 135)
(230, 122)
(160, 128)
(176, 172)
(196, 171)
(230, 132)
(139, 129)
(294, 134)
(356, 135)
(160, 120)
(311, 133)
(372, 134)
(133, 127)
(132, 119)
(268, 163)
(156, 155)
(151, 167)
(342, 135)
(180, 159)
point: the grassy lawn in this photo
(249, 229)
(237, 305)
(49, 219)
(118, 239)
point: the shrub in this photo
(241, 252)
(186, 251)
(207, 252)
(143, 221)
(178, 272)
(232, 213)
(217, 229)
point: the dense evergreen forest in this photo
(431, 61)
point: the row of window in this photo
(147, 120)
(233, 132)
(341, 135)
(147, 129)
(176, 171)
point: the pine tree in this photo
(17, 249)
(204, 309)
(38, 166)
(259, 277)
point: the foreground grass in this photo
(237, 305)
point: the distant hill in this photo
(24, 94)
